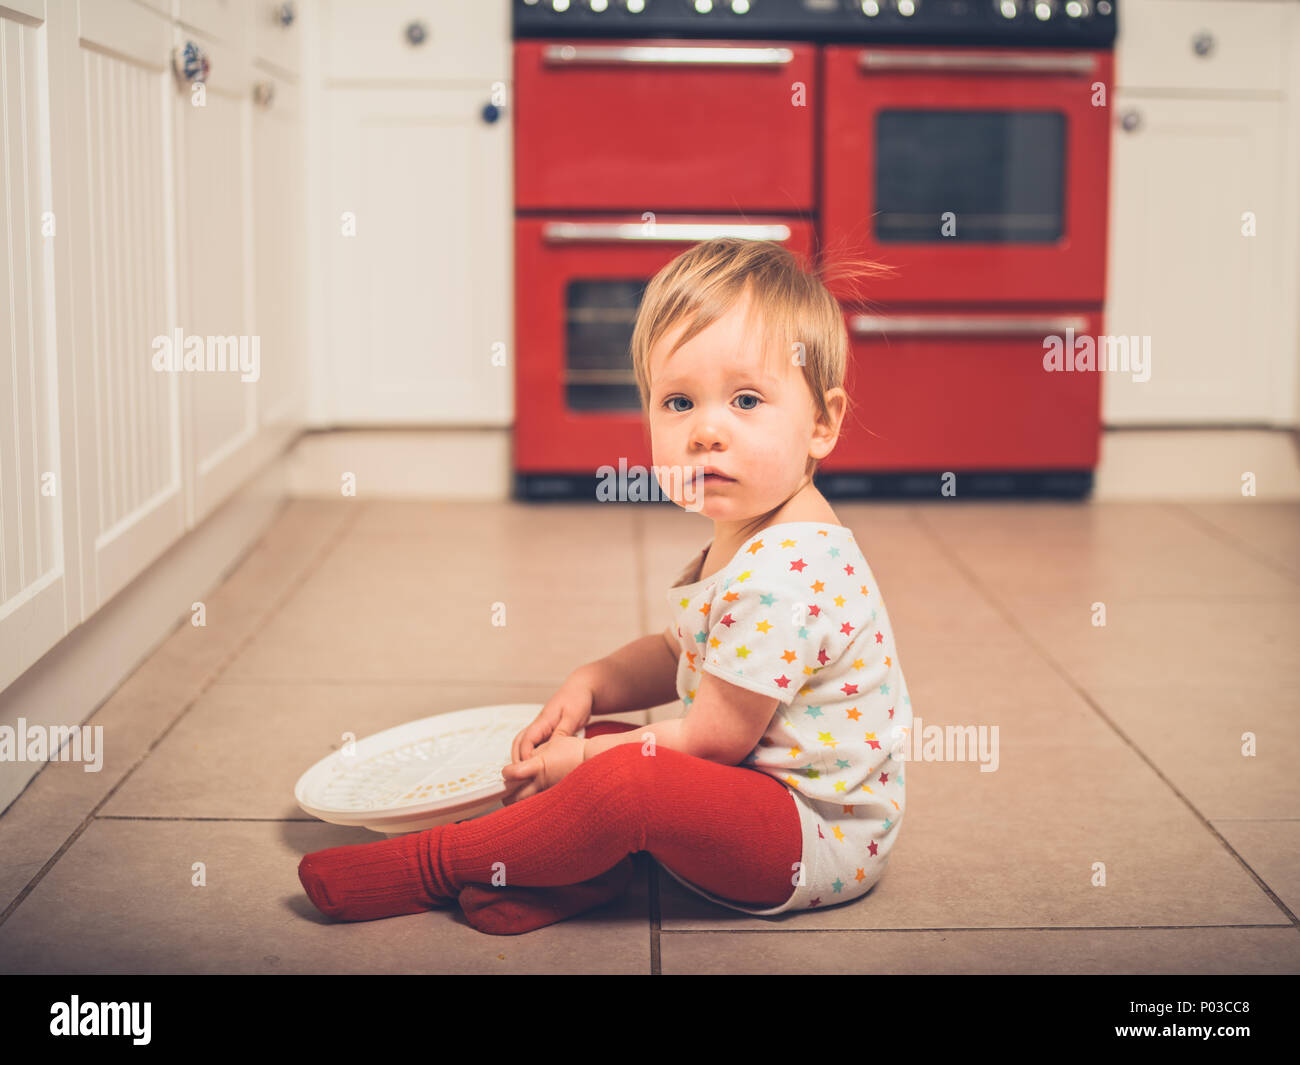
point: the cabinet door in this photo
(113, 64)
(214, 281)
(279, 235)
(1183, 270)
(420, 295)
(33, 577)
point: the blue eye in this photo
(747, 396)
(674, 399)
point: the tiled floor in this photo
(1121, 746)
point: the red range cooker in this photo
(965, 143)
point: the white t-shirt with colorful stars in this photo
(797, 615)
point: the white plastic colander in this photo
(428, 772)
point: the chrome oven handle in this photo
(672, 55)
(979, 62)
(864, 325)
(656, 232)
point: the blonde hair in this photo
(797, 312)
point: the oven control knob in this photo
(870, 8)
(1008, 8)
(1078, 8)
(1044, 9)
(907, 8)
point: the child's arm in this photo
(724, 725)
(637, 676)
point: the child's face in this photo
(712, 404)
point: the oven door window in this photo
(987, 176)
(599, 315)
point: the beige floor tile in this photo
(1268, 531)
(1220, 644)
(62, 795)
(1193, 734)
(419, 603)
(1068, 552)
(121, 900)
(575, 555)
(1091, 952)
(534, 528)
(327, 634)
(1272, 850)
(240, 749)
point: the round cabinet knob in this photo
(264, 93)
(1203, 44)
(284, 14)
(491, 113)
(416, 34)
(190, 62)
(1130, 120)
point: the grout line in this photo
(271, 612)
(386, 682)
(165, 817)
(656, 925)
(974, 928)
(1087, 697)
(643, 612)
(1224, 536)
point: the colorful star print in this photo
(793, 615)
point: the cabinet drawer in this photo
(416, 40)
(1201, 45)
(224, 20)
(276, 29)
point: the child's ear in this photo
(828, 425)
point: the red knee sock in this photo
(508, 911)
(389, 878)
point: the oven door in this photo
(968, 391)
(578, 286)
(662, 125)
(981, 174)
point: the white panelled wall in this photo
(139, 204)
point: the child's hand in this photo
(565, 714)
(550, 763)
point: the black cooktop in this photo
(1020, 23)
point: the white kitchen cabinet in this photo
(1202, 145)
(418, 304)
(279, 261)
(213, 212)
(117, 228)
(34, 505)
(1182, 273)
(1202, 45)
(416, 40)
(420, 297)
(128, 214)
(277, 33)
